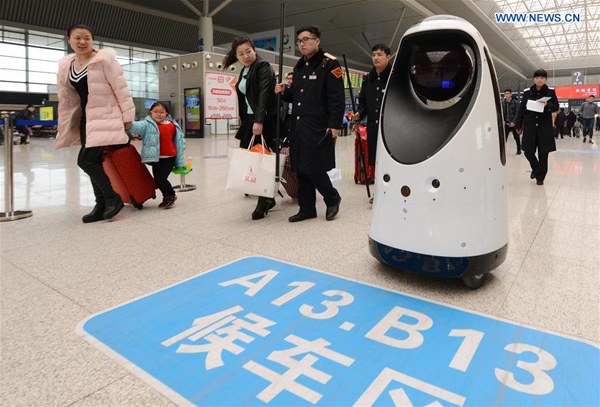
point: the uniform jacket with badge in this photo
(318, 103)
(369, 105)
(537, 125)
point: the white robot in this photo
(440, 205)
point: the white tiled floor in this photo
(55, 271)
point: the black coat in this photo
(318, 103)
(260, 83)
(369, 105)
(537, 128)
(571, 119)
(560, 120)
(509, 110)
(25, 114)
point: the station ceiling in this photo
(348, 26)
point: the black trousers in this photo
(562, 131)
(539, 165)
(90, 161)
(308, 185)
(161, 171)
(508, 129)
(25, 132)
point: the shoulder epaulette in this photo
(550, 88)
(527, 90)
(330, 56)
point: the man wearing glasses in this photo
(318, 104)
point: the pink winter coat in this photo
(109, 103)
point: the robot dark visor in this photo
(441, 72)
(431, 91)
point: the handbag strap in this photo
(262, 144)
(251, 142)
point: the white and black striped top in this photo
(75, 76)
(80, 83)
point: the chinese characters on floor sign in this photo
(259, 332)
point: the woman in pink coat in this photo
(94, 108)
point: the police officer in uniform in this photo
(318, 104)
(537, 127)
(371, 95)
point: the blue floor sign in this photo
(260, 332)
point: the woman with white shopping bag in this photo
(257, 106)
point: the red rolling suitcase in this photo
(129, 177)
(291, 179)
(359, 176)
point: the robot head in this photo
(433, 87)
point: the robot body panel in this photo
(440, 189)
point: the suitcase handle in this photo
(116, 147)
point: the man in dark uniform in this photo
(318, 103)
(371, 95)
(509, 111)
(537, 126)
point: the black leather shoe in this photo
(519, 152)
(263, 207)
(332, 211)
(540, 183)
(113, 206)
(95, 215)
(532, 175)
(299, 217)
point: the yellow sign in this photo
(46, 113)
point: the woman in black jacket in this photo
(538, 133)
(257, 104)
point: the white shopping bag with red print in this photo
(253, 173)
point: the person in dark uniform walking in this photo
(317, 97)
(537, 127)
(371, 95)
(509, 111)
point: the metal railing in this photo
(215, 120)
(10, 213)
